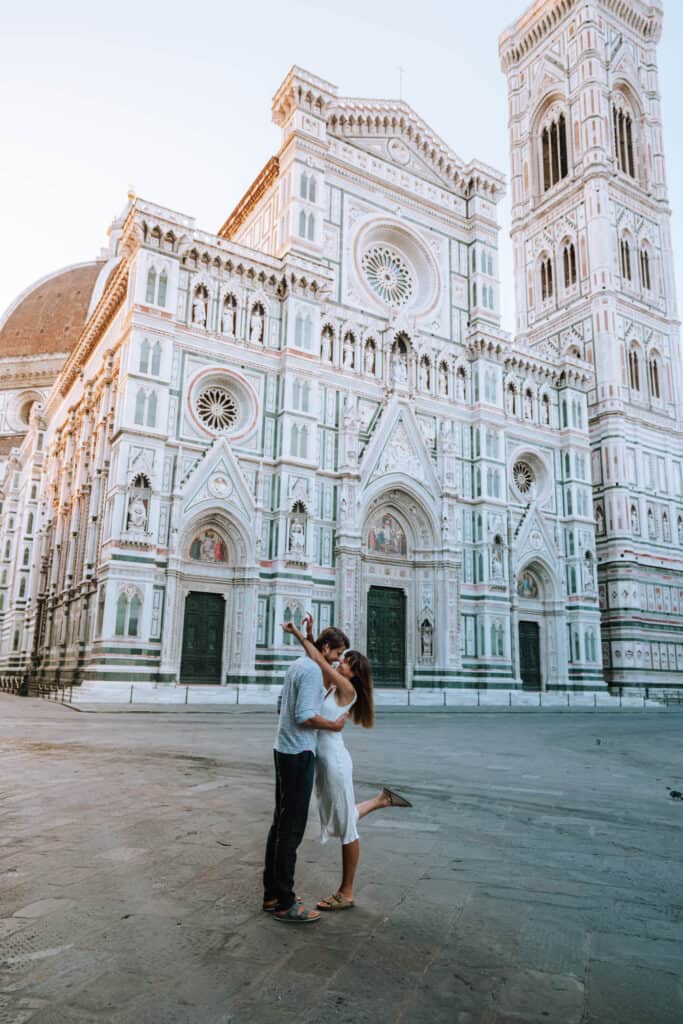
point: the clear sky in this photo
(174, 99)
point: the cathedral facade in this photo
(315, 408)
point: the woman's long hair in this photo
(363, 711)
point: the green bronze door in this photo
(202, 638)
(530, 655)
(387, 636)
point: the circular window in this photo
(388, 274)
(523, 477)
(216, 408)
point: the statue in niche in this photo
(443, 380)
(229, 317)
(369, 366)
(199, 305)
(348, 354)
(546, 411)
(399, 365)
(256, 324)
(424, 375)
(461, 385)
(297, 538)
(635, 521)
(328, 344)
(528, 406)
(137, 513)
(497, 561)
(510, 404)
(426, 639)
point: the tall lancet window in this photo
(554, 152)
(623, 140)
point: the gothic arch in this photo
(237, 534)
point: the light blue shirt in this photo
(302, 697)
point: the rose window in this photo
(388, 275)
(523, 477)
(216, 408)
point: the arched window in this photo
(299, 330)
(625, 254)
(623, 140)
(140, 407)
(645, 278)
(22, 587)
(144, 356)
(294, 441)
(134, 616)
(474, 294)
(163, 285)
(311, 228)
(634, 369)
(151, 284)
(569, 260)
(152, 410)
(156, 359)
(121, 609)
(303, 186)
(490, 266)
(303, 443)
(654, 377)
(302, 223)
(29, 523)
(311, 190)
(554, 152)
(27, 555)
(546, 279)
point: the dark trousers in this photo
(293, 786)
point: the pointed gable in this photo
(397, 448)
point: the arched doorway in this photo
(212, 603)
(398, 581)
(538, 638)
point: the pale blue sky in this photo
(174, 99)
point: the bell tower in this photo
(594, 282)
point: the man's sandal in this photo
(395, 800)
(297, 914)
(335, 902)
(271, 905)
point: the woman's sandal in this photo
(335, 902)
(297, 914)
(271, 905)
(395, 800)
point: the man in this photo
(294, 753)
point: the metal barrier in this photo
(14, 682)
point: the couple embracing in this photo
(326, 686)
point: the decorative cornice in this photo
(360, 118)
(544, 16)
(250, 199)
(102, 316)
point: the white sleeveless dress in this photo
(334, 779)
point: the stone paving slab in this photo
(536, 879)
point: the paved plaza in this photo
(537, 879)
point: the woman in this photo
(349, 691)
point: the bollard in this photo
(510, 699)
(238, 694)
(621, 702)
(644, 702)
(540, 698)
(595, 702)
(187, 693)
(444, 698)
(131, 694)
(568, 704)
(478, 698)
(408, 698)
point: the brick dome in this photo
(49, 316)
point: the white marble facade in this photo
(316, 408)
